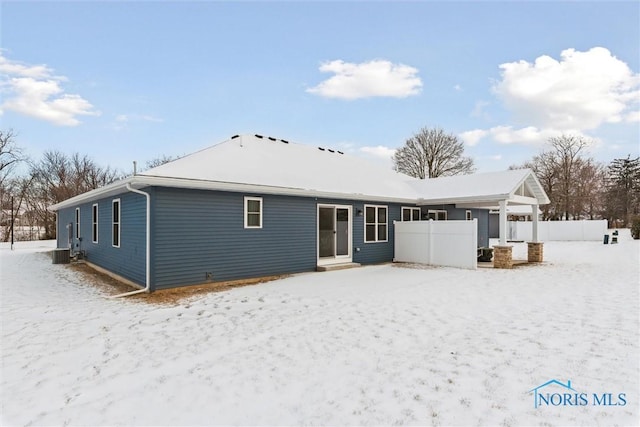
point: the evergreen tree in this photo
(623, 193)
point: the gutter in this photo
(196, 184)
(148, 244)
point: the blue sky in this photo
(124, 81)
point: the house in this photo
(255, 206)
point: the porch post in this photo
(534, 247)
(503, 222)
(534, 218)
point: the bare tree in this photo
(57, 177)
(566, 150)
(158, 161)
(588, 190)
(432, 153)
(10, 154)
(573, 183)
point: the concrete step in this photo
(342, 266)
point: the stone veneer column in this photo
(534, 251)
(502, 257)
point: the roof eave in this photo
(261, 189)
(113, 188)
(141, 181)
(465, 199)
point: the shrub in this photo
(635, 227)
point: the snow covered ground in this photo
(379, 345)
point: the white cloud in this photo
(379, 151)
(581, 91)
(472, 137)
(123, 120)
(369, 79)
(457, 88)
(34, 90)
(578, 93)
(633, 116)
(529, 135)
(480, 110)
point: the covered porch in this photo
(493, 191)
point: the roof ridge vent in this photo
(320, 148)
(258, 136)
(285, 141)
(340, 152)
(271, 138)
(331, 151)
(235, 136)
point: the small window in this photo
(77, 223)
(468, 215)
(94, 223)
(253, 212)
(375, 224)
(411, 214)
(437, 215)
(115, 223)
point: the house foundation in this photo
(502, 257)
(534, 251)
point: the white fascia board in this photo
(106, 191)
(482, 200)
(522, 200)
(478, 205)
(140, 181)
(531, 180)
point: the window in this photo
(115, 223)
(411, 214)
(77, 223)
(438, 215)
(253, 212)
(94, 223)
(375, 223)
(468, 215)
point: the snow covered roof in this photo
(266, 165)
(519, 186)
(261, 161)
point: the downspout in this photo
(148, 251)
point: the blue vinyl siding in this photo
(483, 226)
(197, 232)
(129, 259)
(374, 252)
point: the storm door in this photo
(334, 234)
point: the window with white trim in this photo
(77, 223)
(253, 212)
(115, 223)
(468, 215)
(375, 223)
(410, 214)
(94, 223)
(437, 215)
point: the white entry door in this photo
(334, 234)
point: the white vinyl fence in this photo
(558, 230)
(444, 243)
